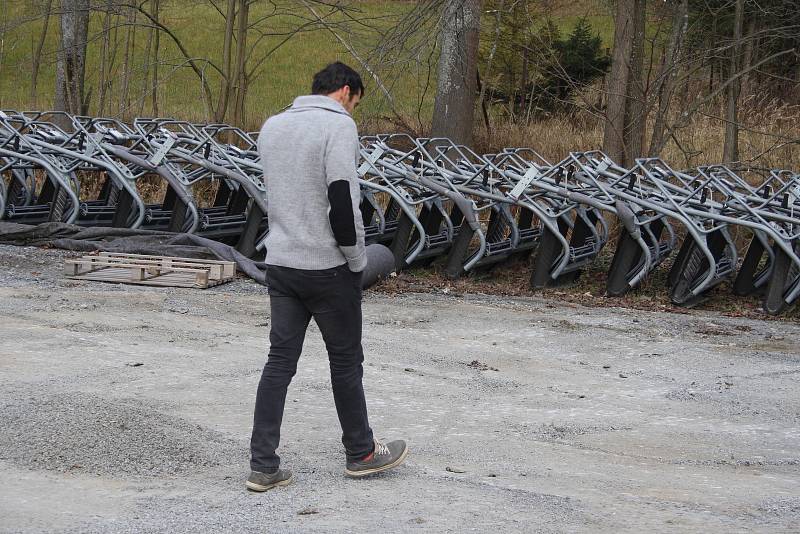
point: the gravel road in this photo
(128, 409)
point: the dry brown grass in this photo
(553, 137)
(770, 137)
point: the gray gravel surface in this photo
(67, 431)
(128, 409)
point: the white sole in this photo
(366, 472)
(252, 486)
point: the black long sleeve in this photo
(341, 213)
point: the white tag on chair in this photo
(162, 151)
(371, 158)
(523, 184)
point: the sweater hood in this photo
(305, 103)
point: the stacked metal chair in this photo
(447, 207)
(427, 199)
(570, 213)
(29, 146)
(198, 155)
(771, 266)
(404, 207)
(62, 149)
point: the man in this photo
(315, 255)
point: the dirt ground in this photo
(128, 409)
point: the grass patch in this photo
(286, 71)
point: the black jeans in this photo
(333, 298)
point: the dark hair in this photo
(334, 77)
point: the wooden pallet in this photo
(150, 270)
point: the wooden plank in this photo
(134, 261)
(71, 268)
(167, 280)
(226, 268)
(91, 263)
(136, 273)
(150, 270)
(201, 279)
(173, 258)
(159, 283)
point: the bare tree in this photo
(241, 37)
(730, 150)
(239, 75)
(127, 61)
(749, 48)
(104, 57)
(349, 47)
(454, 104)
(234, 66)
(155, 8)
(488, 72)
(227, 45)
(36, 59)
(71, 65)
(3, 28)
(665, 84)
(624, 130)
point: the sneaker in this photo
(258, 481)
(382, 458)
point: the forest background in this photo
(694, 82)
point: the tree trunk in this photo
(155, 8)
(730, 150)
(37, 54)
(668, 76)
(71, 63)
(635, 114)
(454, 105)
(104, 51)
(712, 60)
(523, 84)
(227, 79)
(489, 61)
(622, 137)
(130, 46)
(748, 53)
(240, 70)
(3, 29)
(613, 140)
(148, 51)
(482, 103)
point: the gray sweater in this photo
(309, 153)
